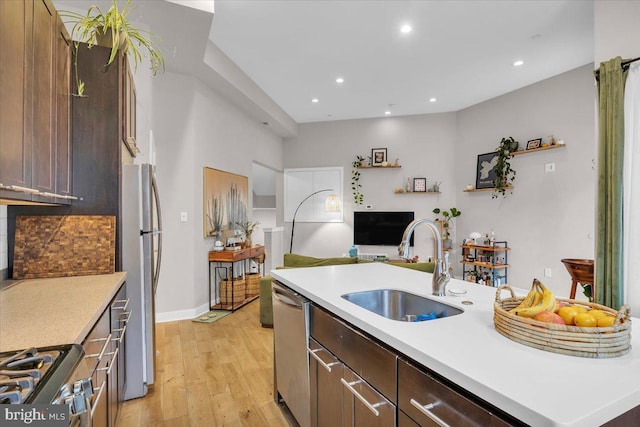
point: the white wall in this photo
(424, 145)
(195, 127)
(616, 30)
(3, 238)
(549, 216)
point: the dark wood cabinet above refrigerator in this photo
(35, 113)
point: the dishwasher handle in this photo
(287, 297)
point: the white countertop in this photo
(537, 387)
(43, 312)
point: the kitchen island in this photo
(537, 387)
(44, 312)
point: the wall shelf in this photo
(478, 190)
(379, 167)
(550, 147)
(417, 192)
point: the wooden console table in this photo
(230, 290)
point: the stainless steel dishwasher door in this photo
(291, 337)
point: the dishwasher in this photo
(291, 360)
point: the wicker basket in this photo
(594, 342)
(253, 284)
(232, 295)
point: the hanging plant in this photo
(505, 174)
(356, 187)
(113, 28)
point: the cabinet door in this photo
(363, 405)
(119, 318)
(63, 110)
(430, 402)
(15, 141)
(128, 113)
(325, 371)
(43, 149)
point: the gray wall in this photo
(549, 216)
(424, 145)
(195, 127)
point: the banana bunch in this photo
(538, 299)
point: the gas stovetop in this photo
(35, 375)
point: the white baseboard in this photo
(172, 316)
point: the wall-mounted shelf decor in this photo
(379, 167)
(416, 192)
(478, 190)
(548, 147)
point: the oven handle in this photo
(99, 356)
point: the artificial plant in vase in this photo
(447, 216)
(113, 28)
(247, 228)
(505, 174)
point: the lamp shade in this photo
(332, 204)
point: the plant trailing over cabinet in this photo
(356, 187)
(505, 174)
(113, 29)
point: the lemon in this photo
(585, 320)
(597, 313)
(567, 314)
(606, 321)
(580, 308)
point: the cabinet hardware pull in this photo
(326, 366)
(426, 409)
(99, 356)
(118, 301)
(120, 337)
(94, 404)
(128, 316)
(371, 407)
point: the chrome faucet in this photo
(441, 274)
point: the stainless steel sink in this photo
(400, 305)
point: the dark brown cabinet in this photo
(35, 111)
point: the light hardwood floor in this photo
(216, 374)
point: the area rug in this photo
(211, 316)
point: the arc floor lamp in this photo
(331, 204)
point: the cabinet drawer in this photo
(431, 403)
(374, 363)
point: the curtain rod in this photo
(625, 66)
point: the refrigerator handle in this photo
(156, 196)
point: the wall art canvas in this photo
(225, 202)
(485, 170)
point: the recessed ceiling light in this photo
(339, 80)
(386, 113)
(406, 29)
(315, 100)
(518, 63)
(432, 99)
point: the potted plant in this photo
(113, 29)
(358, 197)
(447, 216)
(505, 174)
(247, 228)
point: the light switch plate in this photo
(183, 216)
(550, 167)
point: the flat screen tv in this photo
(380, 228)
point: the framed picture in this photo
(225, 202)
(485, 170)
(378, 156)
(420, 185)
(534, 143)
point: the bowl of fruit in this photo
(561, 325)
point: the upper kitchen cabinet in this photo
(35, 113)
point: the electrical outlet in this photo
(368, 207)
(547, 272)
(550, 167)
(183, 216)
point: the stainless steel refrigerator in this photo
(141, 256)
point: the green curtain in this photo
(609, 254)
